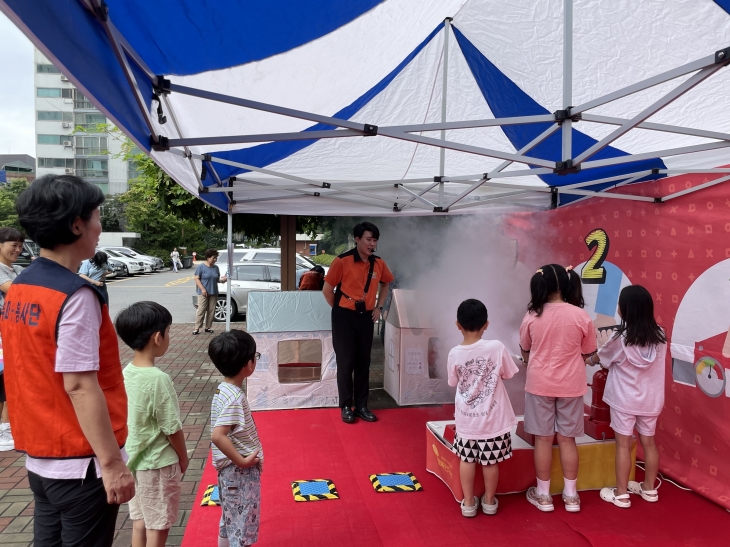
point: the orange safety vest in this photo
(41, 414)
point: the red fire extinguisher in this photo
(600, 411)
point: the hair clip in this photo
(539, 271)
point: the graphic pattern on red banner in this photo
(680, 251)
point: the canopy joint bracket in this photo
(563, 115)
(565, 167)
(159, 143)
(370, 130)
(161, 86)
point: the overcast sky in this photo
(17, 126)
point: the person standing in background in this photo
(356, 275)
(95, 270)
(11, 245)
(207, 277)
(175, 257)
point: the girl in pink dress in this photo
(635, 358)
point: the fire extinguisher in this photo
(600, 411)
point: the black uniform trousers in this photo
(352, 339)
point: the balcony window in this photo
(47, 69)
(92, 169)
(54, 92)
(80, 101)
(56, 163)
(92, 146)
(54, 116)
(54, 139)
(90, 120)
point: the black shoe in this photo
(348, 416)
(366, 415)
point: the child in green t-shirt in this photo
(156, 442)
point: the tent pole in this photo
(567, 77)
(442, 151)
(229, 246)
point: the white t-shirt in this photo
(483, 409)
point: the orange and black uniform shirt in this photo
(350, 272)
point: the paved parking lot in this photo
(172, 290)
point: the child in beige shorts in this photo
(156, 442)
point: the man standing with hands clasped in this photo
(356, 275)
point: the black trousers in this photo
(72, 512)
(352, 338)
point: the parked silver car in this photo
(155, 263)
(249, 276)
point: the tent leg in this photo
(567, 77)
(288, 251)
(442, 151)
(229, 246)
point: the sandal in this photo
(469, 511)
(648, 495)
(543, 503)
(489, 509)
(196, 332)
(609, 495)
(572, 503)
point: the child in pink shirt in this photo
(555, 338)
(635, 358)
(484, 415)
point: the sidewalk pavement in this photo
(195, 380)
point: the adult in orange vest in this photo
(63, 376)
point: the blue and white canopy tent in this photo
(324, 107)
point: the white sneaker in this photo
(6, 441)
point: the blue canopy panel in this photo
(506, 99)
(266, 154)
(724, 4)
(183, 37)
(86, 56)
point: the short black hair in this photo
(472, 315)
(231, 351)
(210, 252)
(363, 227)
(51, 204)
(141, 321)
(11, 234)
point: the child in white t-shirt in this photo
(484, 415)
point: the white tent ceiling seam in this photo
(485, 82)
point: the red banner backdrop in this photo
(680, 251)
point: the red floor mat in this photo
(315, 444)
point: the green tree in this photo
(8, 194)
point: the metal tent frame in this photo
(442, 193)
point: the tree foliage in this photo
(8, 194)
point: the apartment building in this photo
(72, 136)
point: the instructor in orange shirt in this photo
(350, 288)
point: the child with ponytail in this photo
(635, 357)
(556, 337)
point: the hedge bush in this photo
(324, 260)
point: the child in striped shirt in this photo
(237, 451)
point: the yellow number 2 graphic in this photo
(593, 272)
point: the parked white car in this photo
(273, 254)
(157, 263)
(249, 276)
(131, 266)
